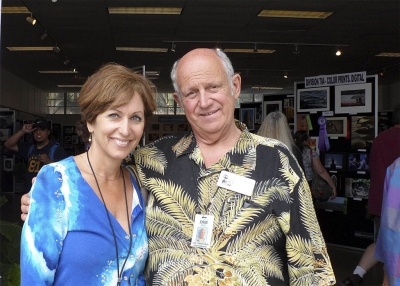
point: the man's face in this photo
(202, 233)
(206, 94)
(41, 135)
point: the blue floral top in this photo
(67, 239)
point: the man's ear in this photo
(177, 99)
(237, 85)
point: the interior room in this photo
(344, 56)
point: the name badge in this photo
(202, 231)
(236, 183)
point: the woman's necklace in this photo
(96, 173)
(119, 273)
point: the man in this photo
(385, 149)
(262, 225)
(264, 228)
(37, 154)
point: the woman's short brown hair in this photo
(111, 86)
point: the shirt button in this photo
(125, 278)
(134, 235)
(127, 237)
(132, 275)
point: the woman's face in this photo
(117, 131)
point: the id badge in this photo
(236, 183)
(202, 231)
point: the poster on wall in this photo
(313, 99)
(353, 99)
(270, 106)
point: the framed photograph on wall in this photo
(152, 136)
(334, 161)
(8, 164)
(357, 188)
(336, 126)
(362, 132)
(270, 106)
(314, 143)
(357, 161)
(313, 99)
(247, 116)
(355, 98)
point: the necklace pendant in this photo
(119, 279)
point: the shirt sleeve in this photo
(44, 230)
(388, 244)
(60, 154)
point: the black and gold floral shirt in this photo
(270, 238)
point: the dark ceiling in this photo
(88, 36)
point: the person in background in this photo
(387, 246)
(311, 161)
(275, 126)
(83, 132)
(247, 190)
(37, 154)
(385, 150)
(86, 222)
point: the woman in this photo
(86, 220)
(275, 126)
(303, 141)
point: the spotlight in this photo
(31, 19)
(338, 52)
(67, 61)
(218, 47)
(296, 50)
(56, 50)
(255, 50)
(173, 46)
(285, 75)
(44, 36)
(382, 72)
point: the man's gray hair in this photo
(226, 62)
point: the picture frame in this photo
(247, 116)
(313, 99)
(355, 98)
(334, 161)
(314, 140)
(357, 188)
(336, 126)
(168, 127)
(69, 129)
(362, 131)
(152, 136)
(67, 138)
(270, 106)
(74, 139)
(154, 127)
(182, 127)
(8, 164)
(357, 161)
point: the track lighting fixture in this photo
(285, 75)
(173, 46)
(255, 50)
(382, 72)
(44, 36)
(31, 20)
(338, 51)
(56, 50)
(296, 50)
(218, 47)
(67, 61)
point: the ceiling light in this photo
(14, 10)
(136, 49)
(338, 52)
(152, 73)
(260, 51)
(56, 49)
(294, 14)
(266, 87)
(382, 72)
(218, 47)
(23, 49)
(285, 75)
(296, 50)
(31, 19)
(145, 10)
(67, 61)
(392, 55)
(173, 46)
(59, 72)
(255, 48)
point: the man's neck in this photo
(42, 144)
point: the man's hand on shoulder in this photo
(25, 203)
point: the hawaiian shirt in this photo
(269, 238)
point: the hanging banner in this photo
(336, 79)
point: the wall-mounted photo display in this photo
(182, 127)
(247, 116)
(69, 129)
(152, 136)
(362, 131)
(313, 99)
(334, 161)
(357, 161)
(270, 106)
(8, 164)
(168, 127)
(154, 127)
(356, 188)
(356, 98)
(313, 143)
(302, 123)
(288, 109)
(336, 126)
